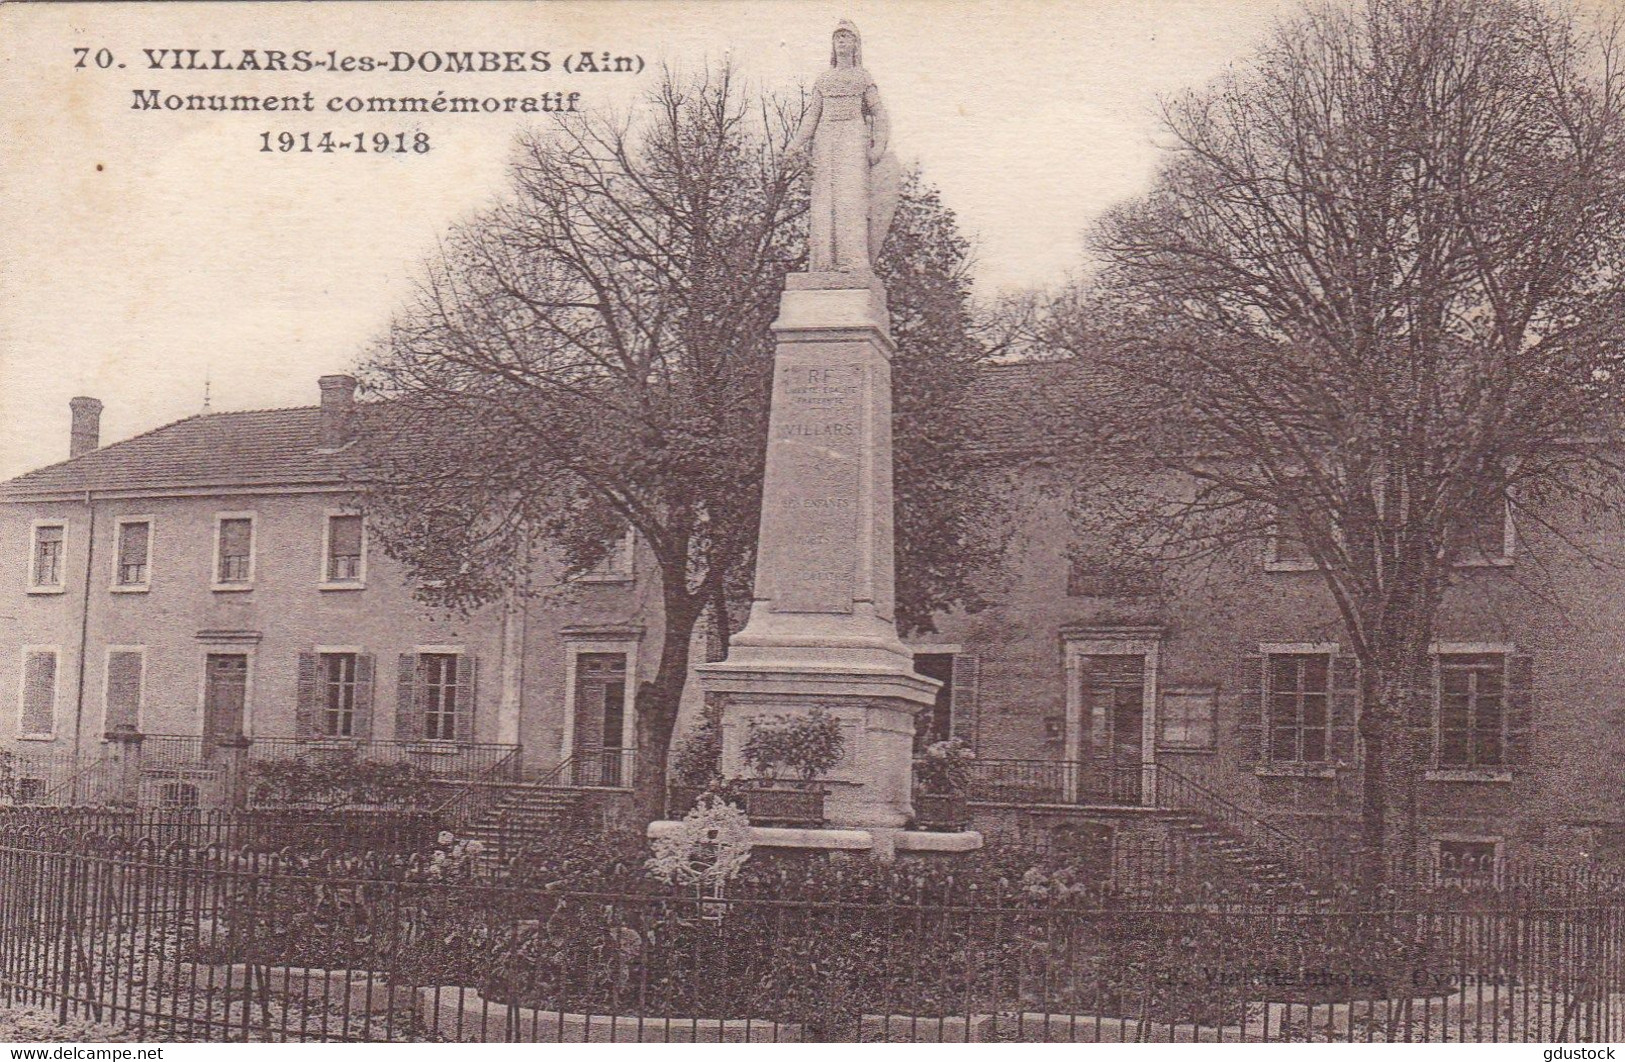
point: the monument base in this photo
(874, 707)
(880, 844)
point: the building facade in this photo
(1240, 680)
(211, 582)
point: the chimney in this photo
(87, 425)
(338, 402)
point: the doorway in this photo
(600, 717)
(1111, 695)
(225, 688)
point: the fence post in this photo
(126, 741)
(235, 750)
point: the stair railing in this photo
(593, 769)
(561, 770)
(1173, 789)
(474, 797)
(93, 784)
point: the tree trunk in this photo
(1394, 729)
(1373, 783)
(1417, 740)
(656, 706)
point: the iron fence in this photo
(181, 942)
(295, 831)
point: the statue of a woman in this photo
(854, 176)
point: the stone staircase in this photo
(1209, 851)
(524, 817)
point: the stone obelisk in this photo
(821, 632)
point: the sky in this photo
(145, 256)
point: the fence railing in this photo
(594, 768)
(347, 833)
(1055, 782)
(207, 943)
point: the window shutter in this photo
(1345, 708)
(1520, 709)
(308, 697)
(123, 690)
(408, 719)
(962, 698)
(365, 668)
(1250, 707)
(467, 688)
(39, 692)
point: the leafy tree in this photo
(1373, 295)
(593, 354)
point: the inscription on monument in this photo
(818, 443)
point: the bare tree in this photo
(594, 355)
(1373, 296)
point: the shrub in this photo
(943, 768)
(23, 1025)
(809, 744)
(698, 761)
(340, 779)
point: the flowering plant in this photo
(943, 768)
(451, 860)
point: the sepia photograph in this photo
(785, 521)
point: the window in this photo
(439, 695)
(125, 668)
(436, 694)
(234, 552)
(1472, 710)
(47, 563)
(1295, 704)
(1285, 552)
(134, 548)
(1485, 536)
(616, 567)
(37, 716)
(338, 674)
(1466, 862)
(1187, 718)
(1103, 575)
(342, 564)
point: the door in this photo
(225, 685)
(1113, 717)
(600, 715)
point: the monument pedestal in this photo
(821, 632)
